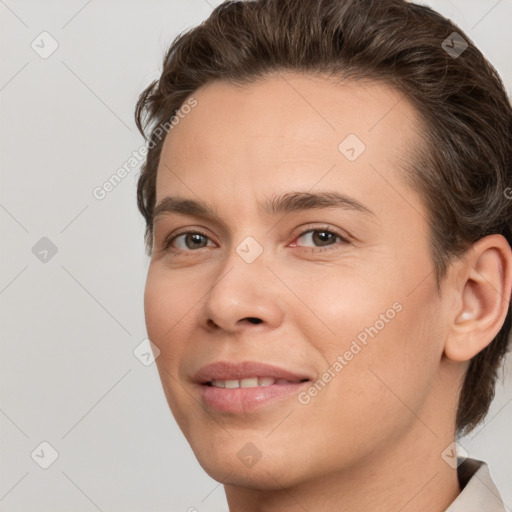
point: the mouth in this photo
(247, 386)
(250, 382)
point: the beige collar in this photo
(478, 490)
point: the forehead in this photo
(285, 130)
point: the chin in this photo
(241, 462)
(264, 475)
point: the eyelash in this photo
(323, 229)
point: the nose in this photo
(245, 295)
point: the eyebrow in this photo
(283, 204)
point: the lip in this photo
(226, 370)
(240, 400)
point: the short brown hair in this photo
(461, 99)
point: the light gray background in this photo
(69, 325)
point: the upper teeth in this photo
(250, 382)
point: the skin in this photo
(372, 439)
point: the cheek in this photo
(372, 396)
(388, 338)
(344, 302)
(165, 309)
(166, 304)
(400, 363)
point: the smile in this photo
(247, 386)
(251, 382)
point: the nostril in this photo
(254, 320)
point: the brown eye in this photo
(321, 237)
(190, 240)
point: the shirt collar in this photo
(478, 490)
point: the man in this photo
(329, 230)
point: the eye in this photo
(324, 237)
(190, 240)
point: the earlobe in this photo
(484, 288)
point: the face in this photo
(323, 310)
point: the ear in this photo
(483, 285)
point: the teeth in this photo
(250, 382)
(266, 381)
